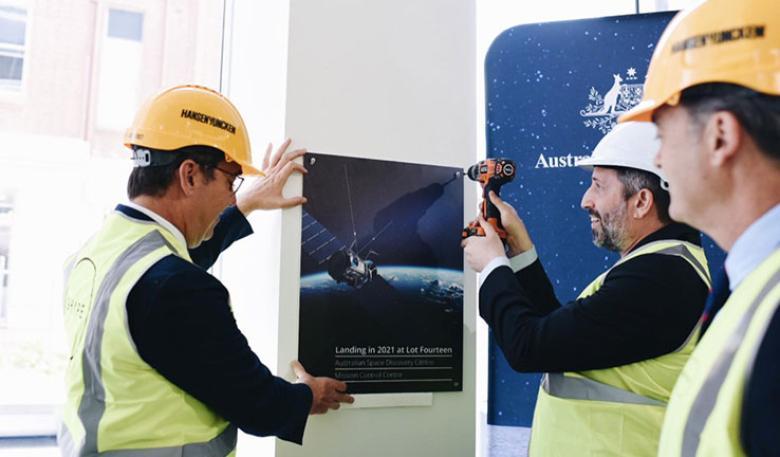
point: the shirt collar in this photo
(753, 246)
(160, 220)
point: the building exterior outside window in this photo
(120, 67)
(13, 38)
(72, 74)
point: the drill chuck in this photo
(502, 169)
(473, 172)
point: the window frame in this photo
(26, 425)
(8, 89)
(102, 38)
(4, 270)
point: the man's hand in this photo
(327, 393)
(266, 193)
(518, 240)
(480, 250)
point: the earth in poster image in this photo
(402, 305)
(426, 285)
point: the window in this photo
(120, 69)
(649, 6)
(13, 29)
(63, 166)
(126, 25)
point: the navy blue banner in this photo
(552, 92)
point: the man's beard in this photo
(612, 229)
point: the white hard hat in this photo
(630, 145)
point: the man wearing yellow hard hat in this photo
(713, 90)
(157, 364)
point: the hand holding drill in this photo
(498, 230)
(491, 175)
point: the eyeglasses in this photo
(236, 180)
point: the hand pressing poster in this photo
(381, 299)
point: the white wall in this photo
(387, 79)
(392, 80)
(254, 76)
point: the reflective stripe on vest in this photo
(681, 249)
(677, 248)
(581, 388)
(614, 411)
(558, 385)
(222, 445)
(98, 408)
(92, 403)
(707, 396)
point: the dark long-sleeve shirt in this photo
(182, 325)
(646, 307)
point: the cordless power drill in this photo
(491, 175)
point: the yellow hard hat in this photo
(192, 115)
(714, 41)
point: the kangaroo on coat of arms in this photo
(602, 111)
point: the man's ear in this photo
(643, 202)
(187, 174)
(723, 137)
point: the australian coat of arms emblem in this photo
(603, 110)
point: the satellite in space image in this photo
(381, 291)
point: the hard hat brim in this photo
(170, 142)
(588, 164)
(643, 112)
(249, 170)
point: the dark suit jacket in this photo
(646, 307)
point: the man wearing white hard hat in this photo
(612, 356)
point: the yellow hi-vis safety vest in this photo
(704, 415)
(616, 411)
(116, 403)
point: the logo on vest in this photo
(603, 110)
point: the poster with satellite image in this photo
(381, 296)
